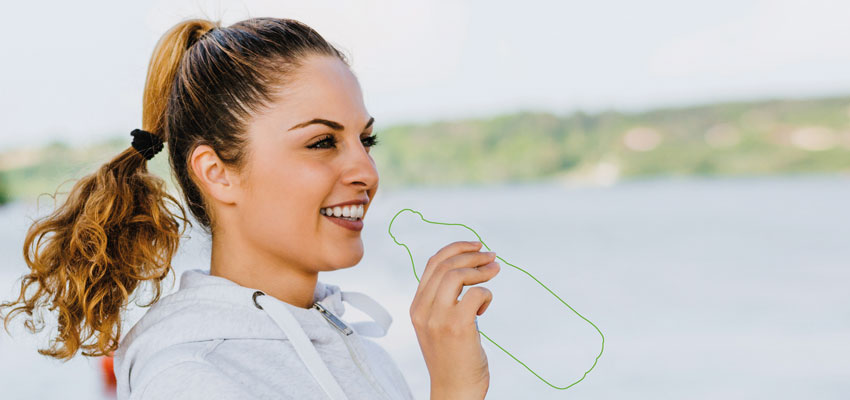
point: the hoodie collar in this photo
(208, 307)
(328, 295)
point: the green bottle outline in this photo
(389, 230)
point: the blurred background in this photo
(678, 172)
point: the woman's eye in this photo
(368, 141)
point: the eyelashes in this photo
(330, 140)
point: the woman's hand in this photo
(445, 327)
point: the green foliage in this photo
(4, 190)
(752, 138)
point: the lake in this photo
(703, 288)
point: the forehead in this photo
(323, 87)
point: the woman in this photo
(268, 139)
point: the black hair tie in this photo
(146, 143)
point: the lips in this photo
(351, 225)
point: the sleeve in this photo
(191, 380)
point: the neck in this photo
(259, 270)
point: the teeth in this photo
(349, 212)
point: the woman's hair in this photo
(115, 229)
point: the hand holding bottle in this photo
(445, 327)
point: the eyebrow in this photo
(333, 125)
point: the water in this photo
(721, 288)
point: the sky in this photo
(74, 71)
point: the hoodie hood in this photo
(208, 307)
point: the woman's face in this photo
(295, 169)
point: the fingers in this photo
(452, 283)
(465, 261)
(474, 302)
(449, 250)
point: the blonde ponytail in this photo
(114, 231)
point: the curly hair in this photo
(119, 227)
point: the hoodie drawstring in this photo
(304, 347)
(382, 319)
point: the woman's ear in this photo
(212, 176)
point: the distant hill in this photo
(4, 191)
(733, 138)
(751, 138)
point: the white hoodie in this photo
(212, 340)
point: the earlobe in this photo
(212, 175)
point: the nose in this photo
(359, 167)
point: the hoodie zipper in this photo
(345, 331)
(333, 319)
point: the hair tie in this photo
(146, 143)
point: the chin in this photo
(342, 259)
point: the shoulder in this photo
(224, 369)
(191, 379)
(382, 360)
(182, 372)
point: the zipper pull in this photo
(333, 319)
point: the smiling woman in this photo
(269, 140)
(272, 206)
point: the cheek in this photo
(284, 200)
